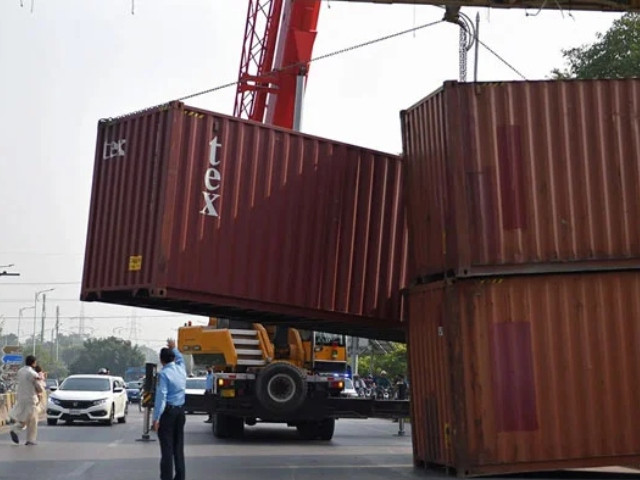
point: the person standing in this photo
(25, 412)
(168, 413)
(208, 394)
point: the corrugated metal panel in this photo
(236, 218)
(430, 373)
(524, 177)
(597, 5)
(543, 370)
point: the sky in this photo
(67, 63)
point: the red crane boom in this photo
(278, 43)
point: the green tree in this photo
(112, 353)
(615, 54)
(48, 363)
(393, 362)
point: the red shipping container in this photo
(526, 373)
(523, 177)
(198, 212)
(597, 5)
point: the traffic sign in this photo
(11, 349)
(13, 358)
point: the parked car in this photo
(349, 390)
(194, 395)
(134, 391)
(89, 398)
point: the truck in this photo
(277, 374)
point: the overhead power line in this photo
(502, 59)
(289, 67)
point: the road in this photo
(361, 449)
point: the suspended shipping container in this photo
(192, 211)
(526, 373)
(521, 177)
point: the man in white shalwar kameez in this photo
(25, 411)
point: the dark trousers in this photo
(171, 437)
(208, 401)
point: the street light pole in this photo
(20, 319)
(35, 313)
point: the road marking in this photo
(81, 469)
(116, 443)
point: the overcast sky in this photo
(71, 62)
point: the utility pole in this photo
(44, 314)
(57, 328)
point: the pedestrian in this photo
(168, 413)
(25, 413)
(208, 394)
(41, 407)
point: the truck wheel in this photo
(281, 388)
(326, 428)
(308, 430)
(221, 426)
(236, 426)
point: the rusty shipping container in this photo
(524, 177)
(197, 212)
(526, 373)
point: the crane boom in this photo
(278, 43)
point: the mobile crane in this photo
(271, 374)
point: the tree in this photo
(615, 54)
(53, 367)
(394, 362)
(112, 353)
(8, 339)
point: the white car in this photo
(194, 395)
(89, 398)
(349, 390)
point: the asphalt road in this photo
(360, 450)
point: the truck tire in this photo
(308, 430)
(326, 428)
(236, 427)
(281, 388)
(322, 430)
(225, 426)
(221, 426)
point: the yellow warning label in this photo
(135, 263)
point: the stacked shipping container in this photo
(524, 372)
(198, 212)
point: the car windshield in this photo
(134, 385)
(196, 383)
(51, 381)
(80, 384)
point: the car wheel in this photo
(52, 421)
(123, 418)
(112, 415)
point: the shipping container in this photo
(526, 373)
(597, 5)
(196, 212)
(523, 177)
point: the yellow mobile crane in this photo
(277, 375)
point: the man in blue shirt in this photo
(208, 393)
(168, 413)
